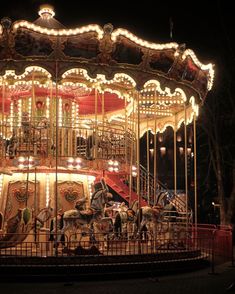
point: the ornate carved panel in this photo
(18, 197)
(85, 46)
(69, 192)
(32, 44)
(126, 52)
(162, 61)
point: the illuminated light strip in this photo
(156, 113)
(195, 107)
(118, 117)
(78, 71)
(73, 114)
(179, 123)
(118, 76)
(168, 124)
(60, 113)
(11, 115)
(19, 105)
(77, 115)
(75, 84)
(206, 67)
(182, 93)
(59, 32)
(161, 103)
(90, 182)
(122, 32)
(48, 107)
(30, 106)
(152, 110)
(100, 79)
(156, 84)
(1, 182)
(166, 91)
(28, 83)
(47, 189)
(118, 93)
(27, 71)
(158, 130)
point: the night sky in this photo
(205, 26)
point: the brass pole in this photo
(185, 163)
(33, 104)
(125, 137)
(132, 146)
(102, 116)
(155, 148)
(147, 149)
(96, 123)
(175, 159)
(51, 129)
(3, 110)
(195, 168)
(56, 156)
(138, 151)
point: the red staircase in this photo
(116, 183)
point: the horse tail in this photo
(118, 223)
(134, 205)
(139, 217)
(51, 238)
(104, 186)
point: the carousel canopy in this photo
(113, 64)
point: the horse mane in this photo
(134, 206)
(94, 195)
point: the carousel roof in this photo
(115, 62)
(99, 50)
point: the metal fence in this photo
(203, 242)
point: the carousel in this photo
(74, 105)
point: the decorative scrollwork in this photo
(22, 194)
(70, 195)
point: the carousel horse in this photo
(58, 222)
(19, 226)
(44, 215)
(125, 221)
(84, 219)
(149, 218)
(12, 145)
(58, 237)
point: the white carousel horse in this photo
(149, 218)
(44, 215)
(84, 219)
(125, 221)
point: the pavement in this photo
(202, 282)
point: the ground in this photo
(195, 282)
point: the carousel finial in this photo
(46, 11)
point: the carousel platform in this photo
(85, 265)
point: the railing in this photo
(82, 138)
(163, 194)
(211, 244)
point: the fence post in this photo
(213, 253)
(232, 237)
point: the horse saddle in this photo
(88, 211)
